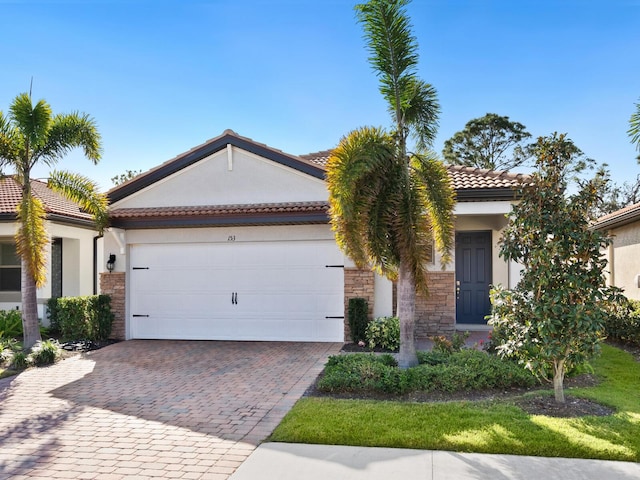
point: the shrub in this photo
(10, 323)
(45, 352)
(623, 321)
(87, 317)
(442, 372)
(384, 332)
(19, 361)
(362, 372)
(456, 344)
(358, 314)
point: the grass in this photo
(483, 426)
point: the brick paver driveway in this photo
(151, 409)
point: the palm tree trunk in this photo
(406, 313)
(30, 325)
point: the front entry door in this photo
(473, 277)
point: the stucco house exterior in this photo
(623, 255)
(231, 241)
(71, 254)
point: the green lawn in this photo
(484, 426)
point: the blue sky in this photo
(161, 77)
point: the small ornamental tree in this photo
(553, 319)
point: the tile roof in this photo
(463, 178)
(471, 184)
(251, 214)
(628, 214)
(54, 203)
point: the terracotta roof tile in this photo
(464, 178)
(204, 210)
(55, 204)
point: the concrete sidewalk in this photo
(288, 461)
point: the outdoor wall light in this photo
(111, 262)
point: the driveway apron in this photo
(152, 409)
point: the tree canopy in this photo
(493, 142)
(29, 135)
(553, 318)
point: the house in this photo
(231, 241)
(70, 256)
(623, 255)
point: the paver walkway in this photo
(152, 409)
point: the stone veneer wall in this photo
(436, 315)
(113, 284)
(358, 283)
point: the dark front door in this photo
(473, 276)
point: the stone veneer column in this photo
(436, 314)
(113, 284)
(358, 283)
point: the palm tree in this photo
(29, 135)
(634, 128)
(389, 205)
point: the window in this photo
(9, 268)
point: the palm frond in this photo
(10, 142)
(392, 47)
(31, 237)
(422, 111)
(84, 192)
(33, 121)
(69, 131)
(439, 200)
(634, 127)
(360, 179)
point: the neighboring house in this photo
(71, 253)
(623, 254)
(231, 241)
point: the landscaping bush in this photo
(623, 322)
(10, 323)
(358, 315)
(19, 361)
(44, 353)
(445, 345)
(87, 317)
(438, 372)
(384, 332)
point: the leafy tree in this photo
(29, 135)
(387, 205)
(553, 318)
(493, 142)
(634, 128)
(124, 177)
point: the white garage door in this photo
(288, 291)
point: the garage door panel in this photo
(284, 291)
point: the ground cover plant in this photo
(496, 423)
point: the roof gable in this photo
(201, 152)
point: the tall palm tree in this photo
(388, 205)
(30, 135)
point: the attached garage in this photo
(270, 290)
(228, 241)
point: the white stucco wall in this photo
(251, 179)
(77, 270)
(626, 259)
